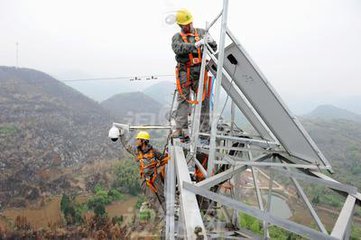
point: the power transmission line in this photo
(130, 78)
(46, 81)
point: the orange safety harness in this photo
(148, 161)
(198, 173)
(192, 62)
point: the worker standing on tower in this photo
(187, 45)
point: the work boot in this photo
(178, 133)
(186, 138)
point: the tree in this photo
(255, 227)
(316, 199)
(115, 195)
(64, 203)
(99, 210)
(127, 177)
(73, 213)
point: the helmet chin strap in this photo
(190, 28)
(144, 143)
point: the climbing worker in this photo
(152, 168)
(187, 45)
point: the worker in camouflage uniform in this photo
(151, 168)
(187, 45)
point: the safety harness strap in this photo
(152, 165)
(192, 61)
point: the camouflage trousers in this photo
(184, 108)
(156, 200)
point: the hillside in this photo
(135, 108)
(340, 141)
(45, 126)
(329, 112)
(161, 92)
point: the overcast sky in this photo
(308, 49)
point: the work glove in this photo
(199, 43)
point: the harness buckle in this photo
(187, 84)
(196, 61)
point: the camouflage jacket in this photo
(182, 49)
(135, 151)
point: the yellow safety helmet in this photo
(143, 135)
(184, 17)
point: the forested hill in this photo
(46, 125)
(340, 141)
